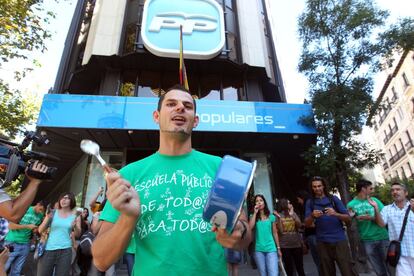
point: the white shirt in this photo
(4, 196)
(393, 216)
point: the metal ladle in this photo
(92, 148)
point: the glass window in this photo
(394, 93)
(400, 113)
(213, 95)
(148, 92)
(230, 94)
(148, 84)
(409, 168)
(95, 174)
(130, 37)
(127, 89)
(405, 80)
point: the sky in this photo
(283, 17)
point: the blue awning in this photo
(135, 113)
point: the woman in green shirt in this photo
(266, 238)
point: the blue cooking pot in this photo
(224, 203)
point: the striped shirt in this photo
(393, 216)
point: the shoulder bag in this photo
(41, 245)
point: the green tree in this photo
(23, 29)
(15, 111)
(343, 44)
(383, 191)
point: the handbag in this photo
(41, 245)
(394, 249)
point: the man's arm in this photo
(13, 210)
(378, 217)
(112, 239)
(14, 226)
(111, 242)
(92, 202)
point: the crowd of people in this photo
(153, 219)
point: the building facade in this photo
(121, 55)
(394, 121)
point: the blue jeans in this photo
(17, 258)
(377, 252)
(58, 260)
(129, 260)
(267, 263)
(311, 239)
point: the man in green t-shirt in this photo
(161, 198)
(373, 237)
(19, 237)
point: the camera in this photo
(14, 158)
(9, 246)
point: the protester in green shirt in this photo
(161, 198)
(19, 237)
(267, 248)
(373, 237)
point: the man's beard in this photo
(180, 133)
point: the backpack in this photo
(85, 243)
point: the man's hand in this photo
(31, 226)
(122, 195)
(317, 213)
(37, 167)
(330, 211)
(372, 203)
(231, 240)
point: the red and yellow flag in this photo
(182, 72)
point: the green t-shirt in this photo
(131, 246)
(264, 235)
(23, 235)
(170, 235)
(368, 229)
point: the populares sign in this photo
(202, 23)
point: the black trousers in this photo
(338, 252)
(293, 258)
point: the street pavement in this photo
(246, 269)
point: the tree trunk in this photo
(359, 256)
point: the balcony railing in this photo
(409, 145)
(397, 156)
(389, 135)
(384, 116)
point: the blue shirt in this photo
(328, 228)
(59, 236)
(393, 216)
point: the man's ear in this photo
(156, 116)
(196, 121)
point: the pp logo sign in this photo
(202, 22)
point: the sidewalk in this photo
(309, 266)
(246, 269)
